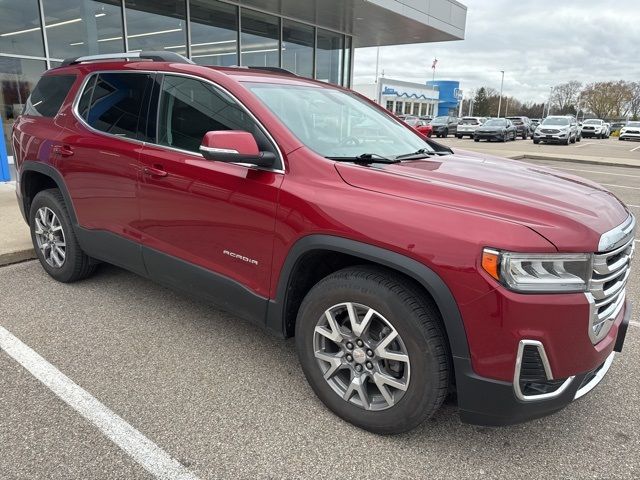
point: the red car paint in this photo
(440, 212)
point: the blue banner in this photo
(5, 175)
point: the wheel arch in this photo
(281, 315)
(35, 177)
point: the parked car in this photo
(443, 126)
(631, 131)
(404, 270)
(468, 125)
(426, 118)
(500, 129)
(595, 127)
(557, 129)
(534, 124)
(616, 126)
(523, 126)
(421, 126)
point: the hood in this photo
(569, 211)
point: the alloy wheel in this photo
(50, 237)
(361, 356)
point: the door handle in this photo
(154, 172)
(63, 150)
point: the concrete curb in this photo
(574, 160)
(17, 256)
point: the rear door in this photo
(99, 157)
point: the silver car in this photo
(557, 129)
(468, 125)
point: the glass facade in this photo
(210, 32)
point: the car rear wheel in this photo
(536, 141)
(373, 349)
(54, 240)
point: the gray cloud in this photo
(538, 44)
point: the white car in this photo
(595, 127)
(631, 131)
(557, 129)
(468, 125)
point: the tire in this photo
(568, 140)
(575, 139)
(445, 134)
(476, 139)
(74, 265)
(579, 138)
(418, 324)
(504, 138)
(536, 142)
(459, 137)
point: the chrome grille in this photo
(611, 270)
(549, 130)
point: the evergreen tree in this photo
(481, 103)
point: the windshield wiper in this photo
(366, 158)
(422, 153)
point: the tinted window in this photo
(47, 97)
(190, 108)
(496, 122)
(111, 103)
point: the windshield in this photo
(633, 124)
(592, 122)
(440, 120)
(495, 122)
(556, 121)
(334, 123)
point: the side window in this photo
(111, 103)
(190, 108)
(46, 99)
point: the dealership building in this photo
(313, 38)
(402, 97)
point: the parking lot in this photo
(229, 401)
(594, 148)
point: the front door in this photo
(199, 214)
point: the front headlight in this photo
(539, 272)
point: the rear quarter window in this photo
(47, 97)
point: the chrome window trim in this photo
(280, 169)
(547, 369)
(217, 150)
(597, 379)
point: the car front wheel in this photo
(373, 349)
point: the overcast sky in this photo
(538, 44)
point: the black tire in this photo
(445, 134)
(536, 141)
(504, 138)
(418, 323)
(76, 265)
(524, 135)
(476, 139)
(459, 137)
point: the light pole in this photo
(501, 85)
(549, 103)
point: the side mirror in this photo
(234, 146)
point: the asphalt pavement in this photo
(227, 400)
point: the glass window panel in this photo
(329, 57)
(115, 101)
(17, 78)
(156, 25)
(85, 27)
(214, 33)
(259, 40)
(297, 48)
(47, 97)
(390, 105)
(190, 108)
(20, 29)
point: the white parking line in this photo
(584, 144)
(155, 460)
(635, 324)
(634, 149)
(596, 171)
(619, 186)
(634, 206)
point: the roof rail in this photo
(153, 56)
(273, 69)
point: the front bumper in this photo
(630, 136)
(551, 137)
(484, 401)
(489, 135)
(591, 133)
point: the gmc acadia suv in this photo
(405, 270)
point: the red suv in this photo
(405, 271)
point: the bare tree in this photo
(634, 102)
(607, 99)
(565, 96)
